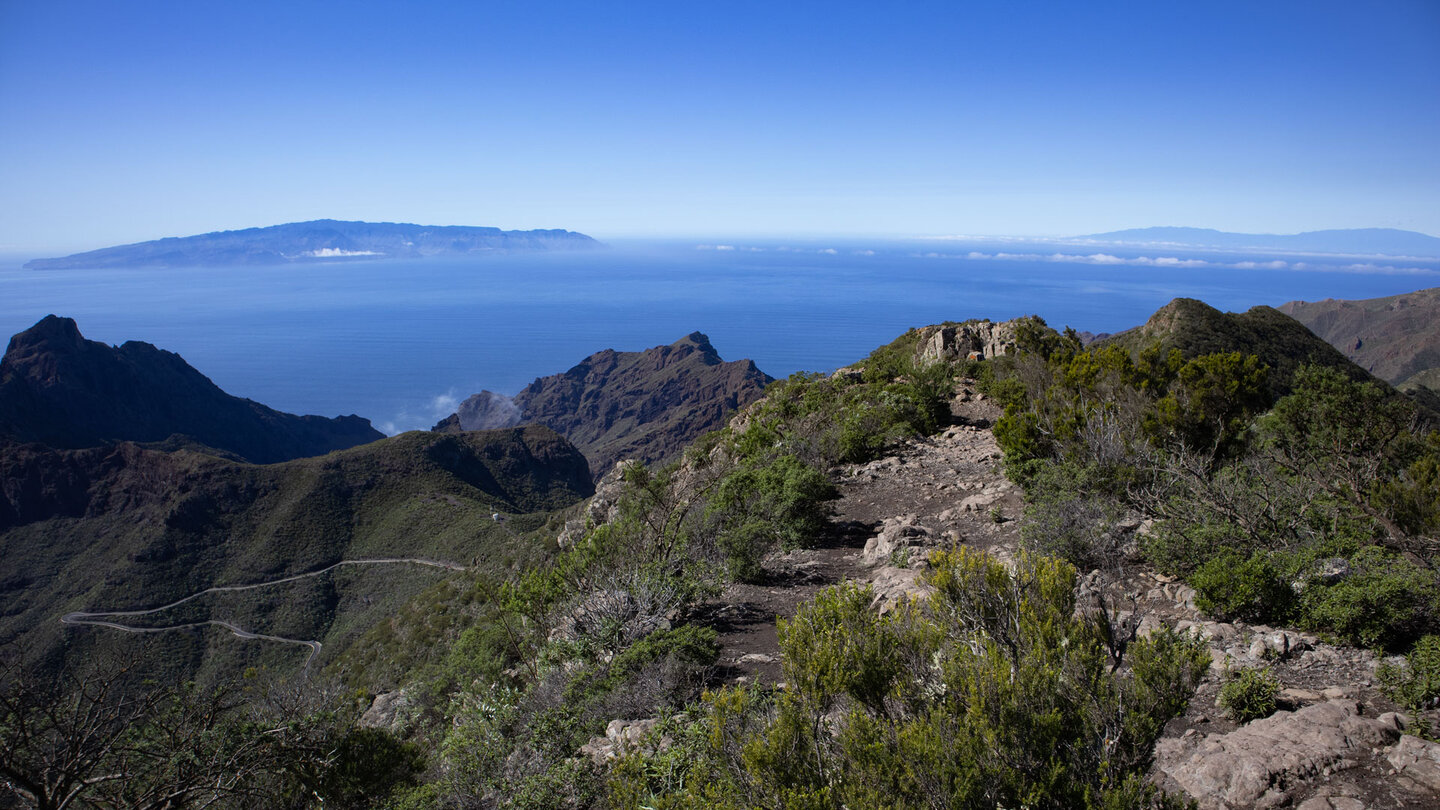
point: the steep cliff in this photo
(645, 405)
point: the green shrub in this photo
(1415, 684)
(1386, 601)
(837, 646)
(689, 645)
(1249, 694)
(992, 692)
(761, 506)
(1179, 546)
(1072, 514)
(1230, 587)
(367, 763)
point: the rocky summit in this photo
(613, 405)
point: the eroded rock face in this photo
(488, 410)
(602, 508)
(643, 405)
(973, 340)
(1267, 762)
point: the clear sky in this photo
(126, 121)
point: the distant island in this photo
(1366, 241)
(317, 241)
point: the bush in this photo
(1072, 515)
(837, 646)
(1249, 694)
(1386, 601)
(991, 692)
(763, 506)
(1230, 587)
(1416, 683)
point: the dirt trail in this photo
(97, 618)
(926, 493)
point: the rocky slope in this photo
(319, 240)
(1396, 338)
(644, 405)
(1338, 741)
(61, 390)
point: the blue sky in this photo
(129, 121)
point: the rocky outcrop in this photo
(644, 405)
(1284, 757)
(388, 710)
(63, 391)
(624, 737)
(486, 410)
(972, 340)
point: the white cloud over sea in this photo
(1179, 262)
(422, 417)
(1316, 264)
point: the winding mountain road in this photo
(97, 618)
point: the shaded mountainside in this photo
(126, 527)
(318, 240)
(1196, 328)
(1367, 241)
(645, 405)
(59, 389)
(1396, 338)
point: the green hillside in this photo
(133, 528)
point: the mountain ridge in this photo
(122, 526)
(59, 389)
(1394, 337)
(316, 240)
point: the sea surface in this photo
(401, 342)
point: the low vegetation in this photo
(1310, 508)
(991, 693)
(1249, 694)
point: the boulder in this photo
(621, 737)
(897, 535)
(387, 711)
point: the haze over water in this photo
(401, 342)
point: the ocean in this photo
(401, 342)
